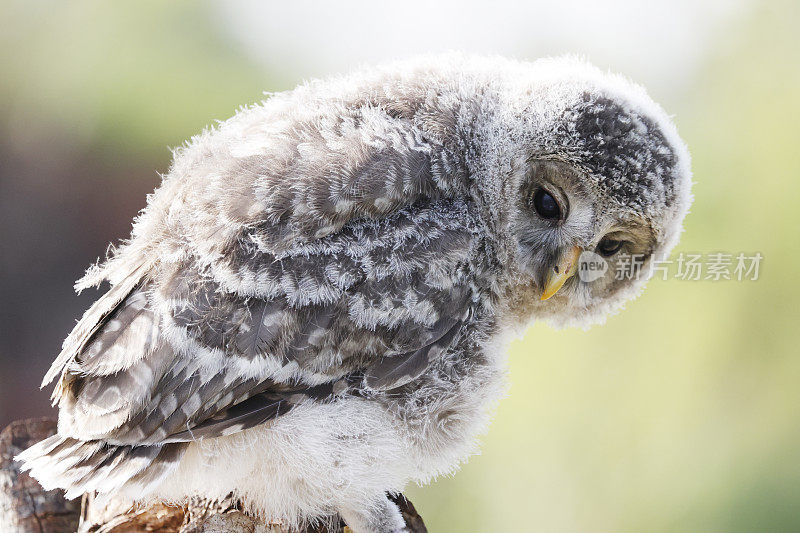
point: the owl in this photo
(313, 308)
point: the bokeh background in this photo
(680, 414)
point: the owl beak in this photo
(564, 269)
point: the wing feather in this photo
(394, 371)
(92, 321)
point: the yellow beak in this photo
(563, 270)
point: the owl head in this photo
(594, 183)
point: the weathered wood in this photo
(201, 516)
(26, 507)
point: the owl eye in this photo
(546, 205)
(609, 247)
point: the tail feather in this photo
(163, 465)
(83, 466)
(60, 456)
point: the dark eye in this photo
(609, 247)
(546, 205)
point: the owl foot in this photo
(379, 516)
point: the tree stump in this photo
(25, 507)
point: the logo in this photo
(591, 266)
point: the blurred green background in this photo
(682, 413)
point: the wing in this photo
(366, 309)
(334, 258)
(282, 261)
